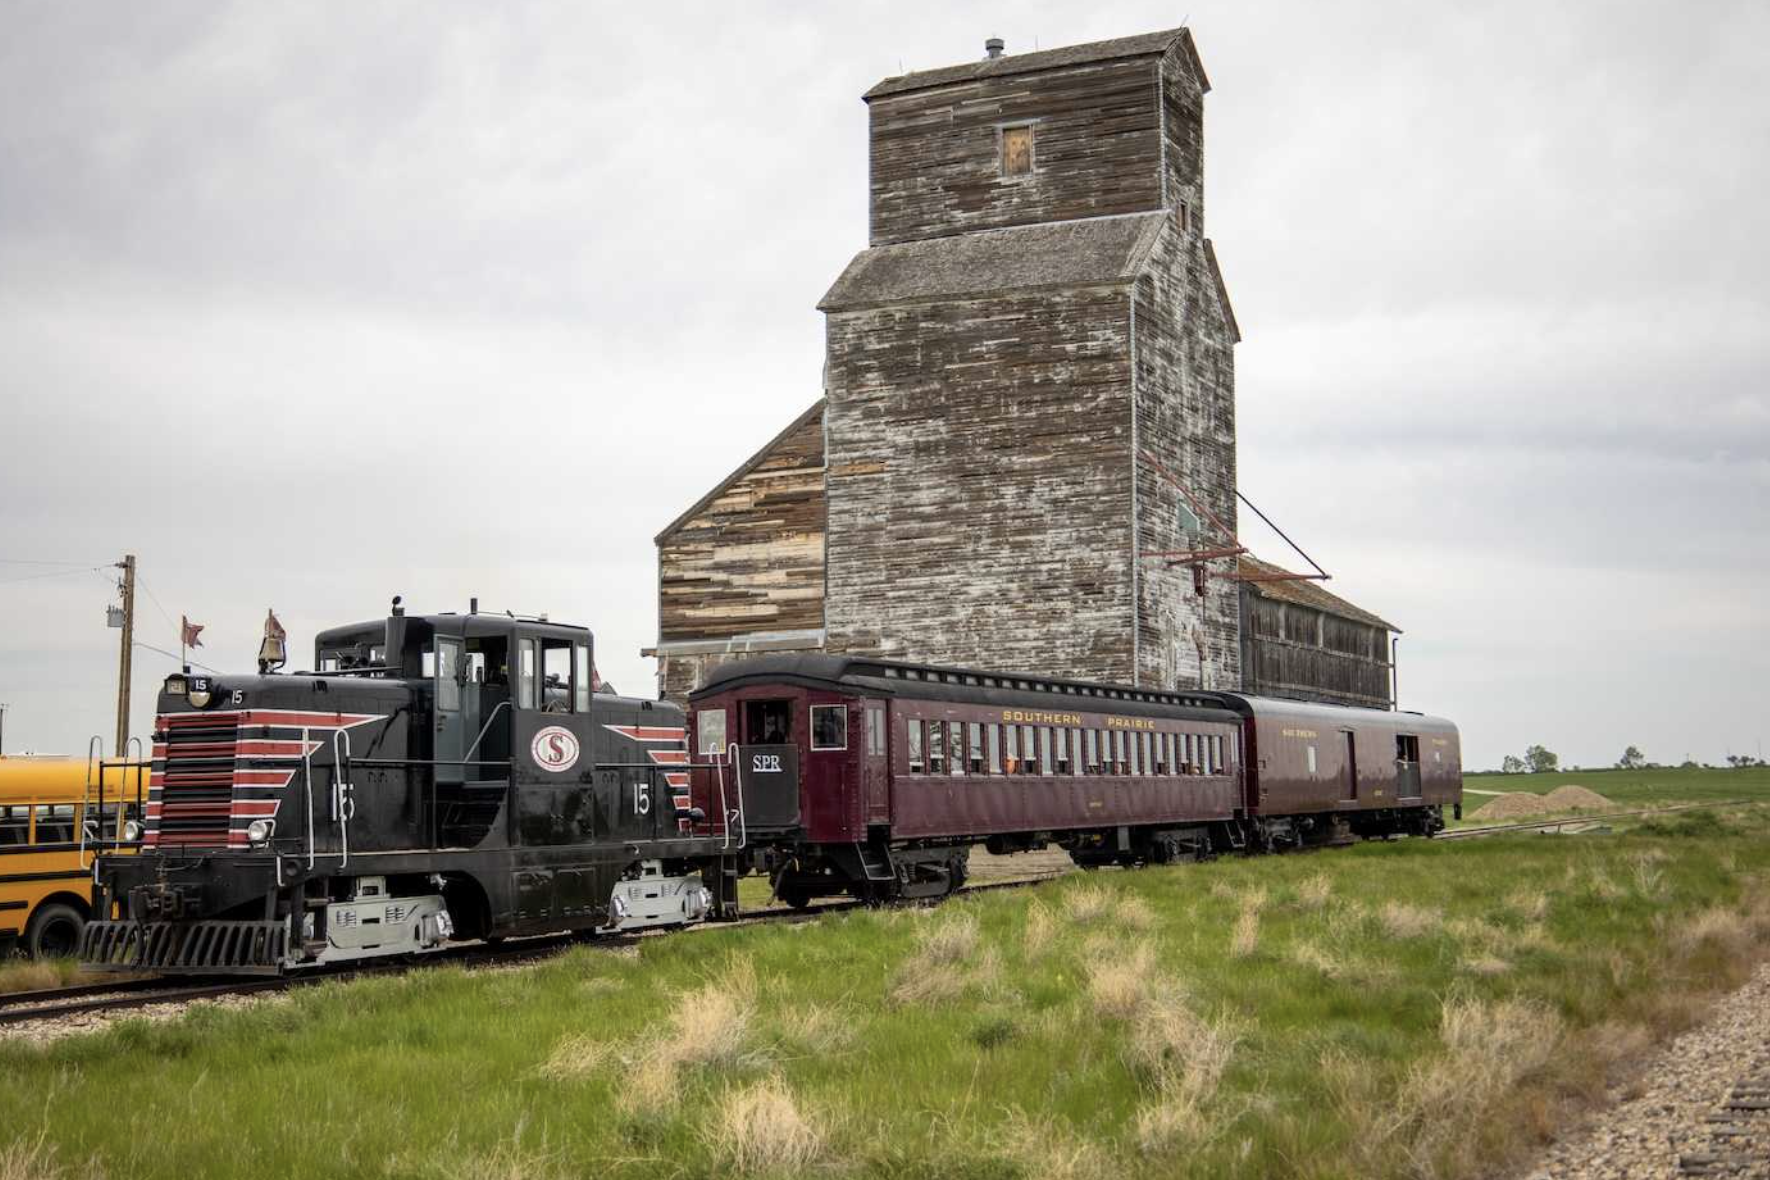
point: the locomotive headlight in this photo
(259, 830)
(199, 691)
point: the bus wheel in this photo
(54, 933)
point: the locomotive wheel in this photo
(796, 897)
(55, 932)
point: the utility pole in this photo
(3, 707)
(127, 590)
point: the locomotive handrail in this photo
(86, 792)
(737, 770)
(483, 730)
(341, 792)
(307, 771)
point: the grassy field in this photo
(1634, 788)
(1407, 1009)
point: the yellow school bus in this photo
(56, 815)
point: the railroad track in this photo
(84, 999)
(1574, 820)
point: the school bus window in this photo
(15, 826)
(55, 823)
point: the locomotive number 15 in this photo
(641, 799)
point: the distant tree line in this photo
(1542, 760)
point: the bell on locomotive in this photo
(432, 779)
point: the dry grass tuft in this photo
(1134, 913)
(1602, 886)
(1047, 1149)
(1089, 903)
(1181, 1059)
(1722, 928)
(709, 1028)
(947, 963)
(1313, 892)
(508, 1162)
(1244, 940)
(1486, 965)
(817, 1029)
(760, 1128)
(1402, 920)
(577, 1056)
(1309, 955)
(1041, 930)
(1649, 879)
(1530, 904)
(1118, 983)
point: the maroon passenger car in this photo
(874, 778)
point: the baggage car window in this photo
(956, 735)
(709, 728)
(974, 740)
(1013, 739)
(915, 745)
(995, 749)
(1311, 759)
(1028, 751)
(1080, 763)
(875, 730)
(936, 747)
(1093, 749)
(829, 727)
(1062, 765)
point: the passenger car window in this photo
(829, 727)
(709, 727)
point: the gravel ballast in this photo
(1701, 1106)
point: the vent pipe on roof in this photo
(994, 46)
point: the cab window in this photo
(556, 675)
(581, 681)
(525, 674)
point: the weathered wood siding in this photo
(1097, 150)
(750, 563)
(979, 482)
(1297, 651)
(1185, 366)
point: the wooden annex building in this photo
(1024, 455)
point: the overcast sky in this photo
(309, 305)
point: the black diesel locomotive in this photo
(435, 777)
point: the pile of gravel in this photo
(1575, 798)
(1519, 804)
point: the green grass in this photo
(1411, 1008)
(1634, 788)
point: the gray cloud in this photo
(309, 307)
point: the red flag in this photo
(272, 628)
(191, 631)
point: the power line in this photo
(52, 574)
(173, 656)
(29, 561)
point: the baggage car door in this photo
(874, 763)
